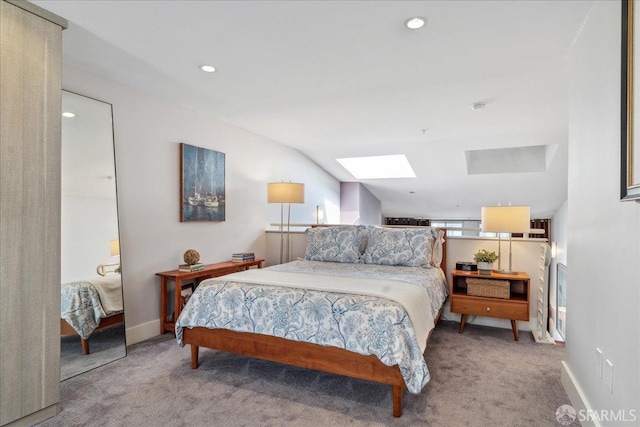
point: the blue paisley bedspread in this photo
(359, 323)
(81, 306)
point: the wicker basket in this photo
(488, 288)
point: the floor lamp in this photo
(112, 267)
(285, 192)
(506, 219)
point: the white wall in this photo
(349, 203)
(297, 246)
(370, 207)
(603, 272)
(358, 205)
(88, 225)
(147, 136)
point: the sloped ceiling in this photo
(339, 79)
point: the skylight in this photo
(378, 167)
(534, 158)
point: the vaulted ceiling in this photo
(338, 79)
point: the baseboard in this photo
(142, 332)
(576, 396)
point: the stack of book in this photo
(191, 267)
(243, 256)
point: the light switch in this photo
(608, 375)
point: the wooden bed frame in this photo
(332, 360)
(67, 329)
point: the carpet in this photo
(479, 378)
(105, 345)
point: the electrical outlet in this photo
(599, 362)
(608, 375)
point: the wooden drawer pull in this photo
(488, 308)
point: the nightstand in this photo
(472, 297)
(209, 271)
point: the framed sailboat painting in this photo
(202, 189)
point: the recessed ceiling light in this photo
(378, 167)
(478, 106)
(68, 114)
(208, 68)
(415, 23)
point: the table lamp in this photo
(506, 219)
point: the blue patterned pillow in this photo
(409, 247)
(334, 244)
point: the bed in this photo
(362, 303)
(88, 305)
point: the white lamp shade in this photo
(114, 247)
(506, 219)
(285, 192)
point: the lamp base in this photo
(505, 271)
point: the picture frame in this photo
(561, 299)
(629, 133)
(202, 184)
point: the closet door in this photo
(30, 132)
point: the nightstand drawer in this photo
(489, 307)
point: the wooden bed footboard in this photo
(304, 355)
(67, 329)
(332, 360)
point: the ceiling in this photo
(337, 79)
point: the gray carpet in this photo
(105, 345)
(480, 378)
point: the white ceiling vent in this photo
(535, 158)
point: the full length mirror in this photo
(91, 309)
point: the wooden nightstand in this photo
(209, 271)
(514, 307)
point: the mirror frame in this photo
(110, 354)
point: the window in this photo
(490, 233)
(449, 225)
